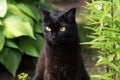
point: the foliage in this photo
(20, 31)
(104, 19)
(23, 76)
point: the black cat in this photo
(60, 58)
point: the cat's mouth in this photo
(56, 42)
(62, 41)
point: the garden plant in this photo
(20, 31)
(104, 21)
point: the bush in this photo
(104, 21)
(20, 31)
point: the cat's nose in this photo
(54, 38)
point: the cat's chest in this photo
(61, 56)
(61, 70)
(62, 64)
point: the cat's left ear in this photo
(70, 14)
(45, 12)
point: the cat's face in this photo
(59, 27)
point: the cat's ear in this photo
(45, 12)
(70, 14)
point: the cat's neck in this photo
(64, 46)
(63, 50)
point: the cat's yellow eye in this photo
(48, 28)
(62, 29)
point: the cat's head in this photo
(60, 27)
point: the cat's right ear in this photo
(45, 12)
(70, 14)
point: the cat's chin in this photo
(56, 43)
(63, 42)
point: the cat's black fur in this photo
(60, 58)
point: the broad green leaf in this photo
(2, 41)
(30, 10)
(28, 47)
(38, 28)
(13, 9)
(39, 42)
(3, 8)
(11, 59)
(31, 47)
(1, 22)
(47, 5)
(15, 26)
(11, 44)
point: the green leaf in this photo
(111, 57)
(39, 42)
(107, 9)
(38, 28)
(1, 22)
(13, 9)
(2, 41)
(42, 1)
(117, 2)
(15, 26)
(3, 8)
(11, 44)
(105, 76)
(106, 61)
(30, 10)
(10, 58)
(114, 66)
(118, 54)
(47, 5)
(31, 47)
(102, 60)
